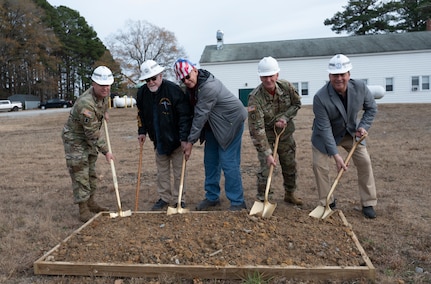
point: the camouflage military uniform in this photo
(82, 143)
(264, 110)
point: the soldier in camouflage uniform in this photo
(274, 102)
(82, 141)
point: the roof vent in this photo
(219, 36)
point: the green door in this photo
(243, 95)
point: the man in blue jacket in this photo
(336, 107)
(165, 115)
(219, 120)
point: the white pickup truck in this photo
(7, 105)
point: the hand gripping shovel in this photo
(179, 209)
(114, 176)
(265, 209)
(323, 212)
(138, 184)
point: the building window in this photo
(389, 84)
(415, 83)
(425, 82)
(304, 88)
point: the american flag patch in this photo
(87, 113)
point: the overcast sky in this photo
(195, 23)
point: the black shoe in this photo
(369, 212)
(205, 204)
(183, 205)
(238, 207)
(159, 205)
(333, 204)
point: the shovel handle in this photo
(114, 175)
(180, 191)
(138, 184)
(271, 168)
(340, 173)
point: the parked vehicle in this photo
(7, 105)
(55, 103)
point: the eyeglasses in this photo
(185, 78)
(151, 79)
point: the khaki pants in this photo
(164, 163)
(362, 161)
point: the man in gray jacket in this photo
(336, 107)
(219, 121)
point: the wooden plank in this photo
(45, 266)
(199, 271)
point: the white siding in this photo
(373, 67)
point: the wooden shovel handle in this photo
(114, 175)
(340, 173)
(180, 191)
(138, 184)
(271, 168)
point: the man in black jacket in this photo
(165, 115)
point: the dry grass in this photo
(38, 212)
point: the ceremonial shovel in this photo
(323, 212)
(120, 212)
(265, 209)
(179, 208)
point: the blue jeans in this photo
(229, 160)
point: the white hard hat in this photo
(268, 66)
(102, 75)
(339, 64)
(149, 69)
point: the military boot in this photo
(94, 207)
(290, 197)
(84, 212)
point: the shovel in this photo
(323, 212)
(265, 208)
(120, 212)
(138, 185)
(179, 209)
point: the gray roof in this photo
(394, 42)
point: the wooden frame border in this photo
(44, 266)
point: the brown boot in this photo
(94, 207)
(84, 212)
(291, 198)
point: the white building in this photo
(401, 63)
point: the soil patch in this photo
(214, 238)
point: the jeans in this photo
(229, 160)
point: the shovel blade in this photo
(121, 214)
(321, 212)
(113, 215)
(257, 208)
(263, 209)
(175, 210)
(327, 213)
(317, 212)
(268, 209)
(127, 213)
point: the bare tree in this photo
(141, 41)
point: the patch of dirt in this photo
(38, 209)
(215, 239)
